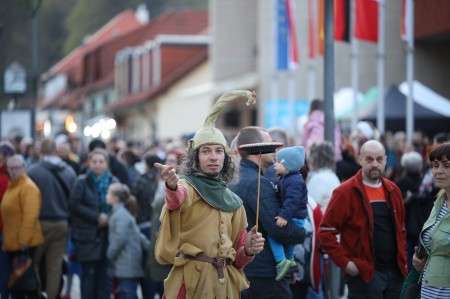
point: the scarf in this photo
(215, 192)
(102, 183)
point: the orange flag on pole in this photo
(341, 22)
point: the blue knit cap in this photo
(293, 158)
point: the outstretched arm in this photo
(174, 195)
(169, 175)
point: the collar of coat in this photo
(215, 192)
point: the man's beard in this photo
(212, 174)
(374, 174)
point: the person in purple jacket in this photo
(291, 190)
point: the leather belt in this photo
(218, 262)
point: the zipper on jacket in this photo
(355, 248)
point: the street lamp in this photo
(34, 7)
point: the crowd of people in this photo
(204, 217)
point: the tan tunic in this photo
(194, 228)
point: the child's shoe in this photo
(283, 267)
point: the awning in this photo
(427, 98)
(431, 118)
(395, 106)
(343, 103)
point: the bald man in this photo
(367, 212)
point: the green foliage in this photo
(52, 30)
(88, 16)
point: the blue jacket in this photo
(292, 192)
(263, 265)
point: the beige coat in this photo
(194, 228)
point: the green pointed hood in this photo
(209, 134)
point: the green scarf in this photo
(214, 192)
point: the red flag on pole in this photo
(366, 26)
(311, 30)
(341, 20)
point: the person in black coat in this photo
(261, 271)
(89, 218)
(416, 211)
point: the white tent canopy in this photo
(427, 98)
(344, 106)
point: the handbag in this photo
(23, 276)
(411, 286)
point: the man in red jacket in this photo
(367, 212)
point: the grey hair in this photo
(322, 156)
(279, 134)
(411, 161)
(16, 158)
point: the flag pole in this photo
(381, 64)
(275, 99)
(329, 70)
(275, 74)
(292, 63)
(312, 34)
(354, 66)
(410, 69)
(291, 90)
(311, 79)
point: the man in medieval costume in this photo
(203, 224)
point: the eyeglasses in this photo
(15, 167)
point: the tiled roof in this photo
(100, 61)
(173, 70)
(120, 25)
(96, 67)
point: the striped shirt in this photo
(427, 291)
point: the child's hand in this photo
(102, 220)
(281, 222)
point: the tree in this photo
(88, 16)
(16, 36)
